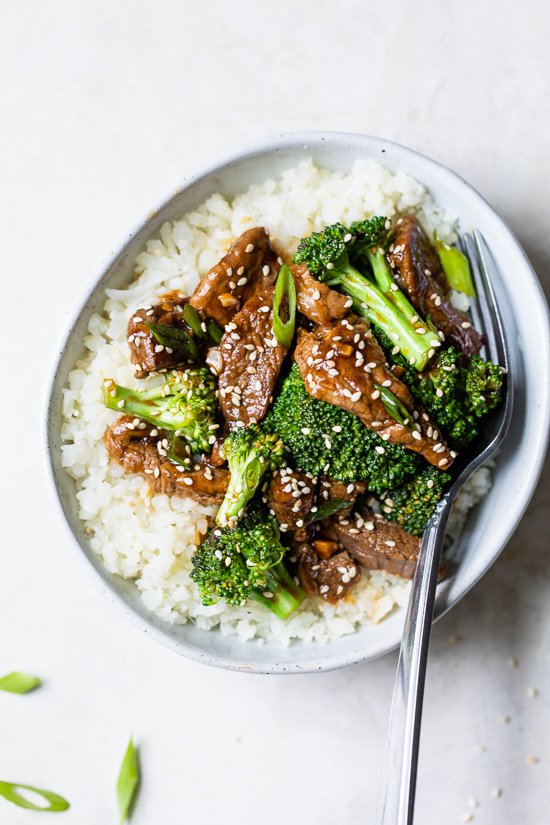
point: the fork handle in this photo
(398, 787)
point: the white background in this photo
(105, 107)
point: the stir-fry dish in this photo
(318, 403)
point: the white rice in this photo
(150, 539)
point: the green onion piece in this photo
(285, 291)
(177, 339)
(193, 320)
(395, 407)
(214, 330)
(9, 790)
(456, 267)
(179, 451)
(127, 782)
(19, 682)
(328, 508)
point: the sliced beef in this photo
(330, 489)
(422, 279)
(378, 544)
(141, 448)
(290, 495)
(252, 358)
(249, 267)
(342, 364)
(315, 300)
(331, 578)
(146, 354)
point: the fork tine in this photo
(491, 277)
(489, 317)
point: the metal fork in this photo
(398, 788)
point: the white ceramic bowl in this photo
(488, 527)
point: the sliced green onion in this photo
(285, 293)
(19, 682)
(328, 508)
(176, 339)
(395, 407)
(193, 320)
(456, 267)
(56, 803)
(179, 451)
(214, 330)
(127, 782)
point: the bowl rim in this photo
(265, 145)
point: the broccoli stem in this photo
(371, 302)
(287, 596)
(141, 403)
(385, 281)
(243, 483)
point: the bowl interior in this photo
(489, 525)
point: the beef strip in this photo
(249, 267)
(378, 544)
(341, 365)
(331, 579)
(252, 358)
(330, 489)
(422, 279)
(315, 300)
(290, 495)
(145, 352)
(141, 448)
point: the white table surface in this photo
(105, 107)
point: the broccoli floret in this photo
(251, 452)
(375, 296)
(325, 440)
(246, 562)
(457, 392)
(413, 504)
(185, 403)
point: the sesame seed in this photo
(430, 483)
(316, 295)
(249, 248)
(241, 281)
(305, 430)
(337, 429)
(380, 450)
(137, 319)
(347, 237)
(375, 395)
(442, 462)
(415, 434)
(159, 348)
(188, 481)
(265, 269)
(389, 543)
(421, 330)
(465, 325)
(240, 270)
